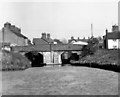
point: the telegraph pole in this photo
(91, 30)
(3, 38)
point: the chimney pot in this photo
(106, 30)
(8, 25)
(48, 36)
(72, 38)
(44, 35)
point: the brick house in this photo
(72, 40)
(50, 57)
(12, 35)
(112, 39)
(45, 39)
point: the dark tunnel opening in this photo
(36, 59)
(65, 58)
(74, 56)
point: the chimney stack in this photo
(115, 28)
(17, 30)
(12, 28)
(106, 31)
(48, 35)
(72, 38)
(7, 25)
(43, 36)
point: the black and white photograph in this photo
(60, 47)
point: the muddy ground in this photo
(67, 80)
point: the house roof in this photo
(49, 40)
(58, 41)
(16, 33)
(75, 40)
(113, 35)
(19, 34)
(72, 40)
(39, 41)
(81, 43)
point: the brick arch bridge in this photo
(36, 52)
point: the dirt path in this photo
(60, 81)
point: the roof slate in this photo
(37, 41)
(19, 34)
(113, 35)
(16, 33)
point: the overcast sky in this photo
(62, 19)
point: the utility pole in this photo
(3, 38)
(51, 53)
(91, 30)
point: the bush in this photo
(91, 48)
(14, 61)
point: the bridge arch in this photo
(65, 57)
(36, 58)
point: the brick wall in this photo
(10, 37)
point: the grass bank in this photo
(104, 59)
(13, 61)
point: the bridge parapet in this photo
(67, 47)
(48, 48)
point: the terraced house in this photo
(112, 39)
(12, 36)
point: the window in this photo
(114, 39)
(114, 46)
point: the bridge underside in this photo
(48, 48)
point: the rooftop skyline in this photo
(61, 19)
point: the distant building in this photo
(112, 39)
(115, 28)
(80, 43)
(45, 39)
(57, 41)
(12, 35)
(83, 40)
(50, 57)
(72, 40)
